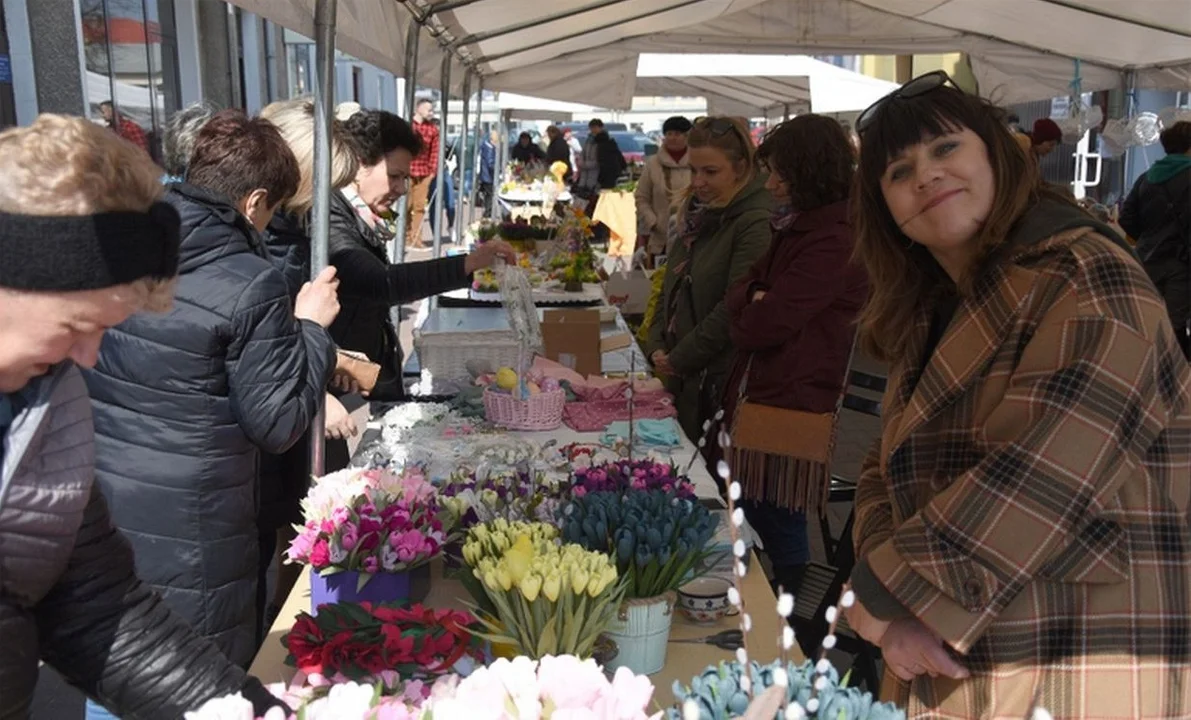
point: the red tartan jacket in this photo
(426, 163)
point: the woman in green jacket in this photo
(721, 230)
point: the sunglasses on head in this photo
(917, 87)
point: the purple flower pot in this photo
(403, 587)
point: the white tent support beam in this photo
(440, 189)
(461, 160)
(411, 91)
(1116, 17)
(324, 112)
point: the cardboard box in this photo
(572, 339)
(629, 291)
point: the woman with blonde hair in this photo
(1021, 524)
(284, 478)
(721, 230)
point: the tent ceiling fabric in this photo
(749, 96)
(1019, 49)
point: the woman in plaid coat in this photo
(1022, 523)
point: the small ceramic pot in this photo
(704, 600)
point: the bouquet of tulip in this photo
(534, 594)
(370, 521)
(625, 475)
(550, 689)
(656, 538)
(349, 641)
(341, 701)
(718, 693)
(513, 495)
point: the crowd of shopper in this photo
(1020, 524)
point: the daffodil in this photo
(519, 558)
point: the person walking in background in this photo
(722, 230)
(487, 175)
(1042, 141)
(124, 127)
(422, 170)
(234, 370)
(576, 149)
(1157, 213)
(665, 178)
(177, 139)
(793, 321)
(90, 244)
(558, 151)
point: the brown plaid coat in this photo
(1028, 500)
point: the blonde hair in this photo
(736, 144)
(295, 120)
(69, 166)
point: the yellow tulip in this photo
(519, 557)
(530, 586)
(579, 579)
(552, 586)
(490, 581)
(504, 578)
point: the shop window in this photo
(131, 56)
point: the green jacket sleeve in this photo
(711, 337)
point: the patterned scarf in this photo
(384, 225)
(687, 231)
(782, 218)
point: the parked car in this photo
(634, 146)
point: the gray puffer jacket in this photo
(68, 593)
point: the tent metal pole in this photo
(476, 156)
(440, 172)
(324, 111)
(787, 116)
(461, 161)
(411, 87)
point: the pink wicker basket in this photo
(540, 412)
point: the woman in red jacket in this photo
(793, 320)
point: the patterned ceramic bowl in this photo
(705, 599)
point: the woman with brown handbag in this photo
(792, 325)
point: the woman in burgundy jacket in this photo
(793, 320)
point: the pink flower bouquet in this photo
(371, 521)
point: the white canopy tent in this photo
(583, 50)
(758, 85)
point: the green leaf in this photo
(363, 580)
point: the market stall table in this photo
(683, 660)
(475, 319)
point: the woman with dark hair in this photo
(722, 229)
(1021, 524)
(186, 402)
(526, 150)
(793, 320)
(361, 224)
(558, 151)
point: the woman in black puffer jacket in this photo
(186, 402)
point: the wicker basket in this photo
(446, 354)
(540, 412)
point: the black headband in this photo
(88, 252)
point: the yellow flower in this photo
(552, 586)
(579, 579)
(600, 583)
(519, 557)
(490, 580)
(530, 586)
(504, 578)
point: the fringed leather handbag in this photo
(783, 456)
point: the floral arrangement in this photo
(623, 475)
(576, 231)
(349, 641)
(337, 701)
(513, 231)
(485, 229)
(514, 495)
(656, 538)
(370, 521)
(532, 593)
(553, 688)
(719, 694)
